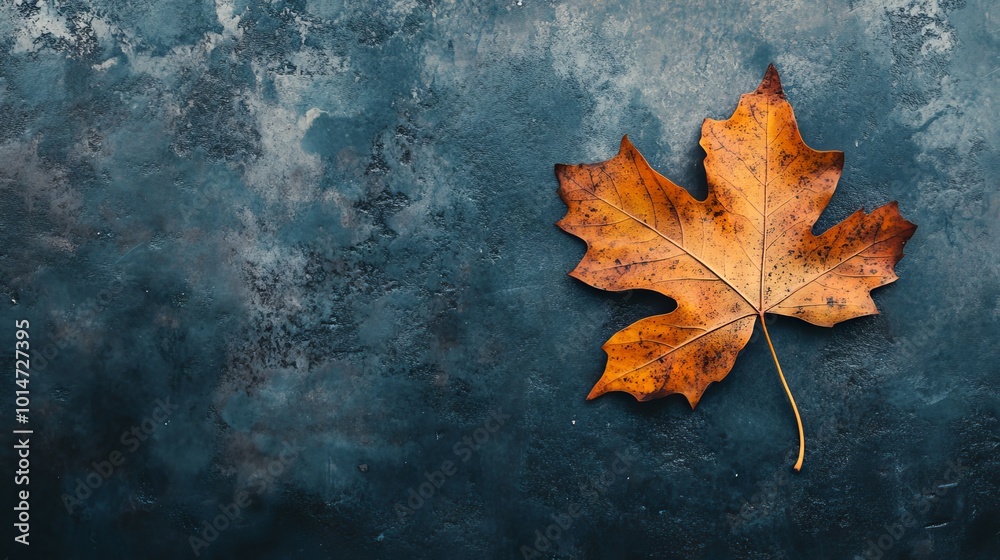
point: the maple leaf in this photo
(746, 250)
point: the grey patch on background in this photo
(332, 225)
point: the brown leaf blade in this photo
(746, 250)
(640, 231)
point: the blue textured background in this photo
(330, 225)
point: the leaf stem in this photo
(795, 409)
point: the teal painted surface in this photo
(330, 224)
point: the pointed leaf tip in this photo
(771, 82)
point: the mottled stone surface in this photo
(323, 231)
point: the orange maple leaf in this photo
(746, 250)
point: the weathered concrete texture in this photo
(330, 225)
